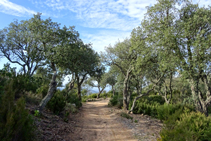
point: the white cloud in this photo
(121, 14)
(203, 2)
(14, 9)
(104, 38)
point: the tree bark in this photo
(51, 90)
(134, 101)
(125, 90)
(79, 83)
(113, 90)
(100, 91)
(201, 105)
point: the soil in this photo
(96, 121)
(99, 122)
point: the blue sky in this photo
(101, 22)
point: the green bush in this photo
(43, 90)
(148, 105)
(92, 95)
(116, 100)
(24, 83)
(84, 98)
(106, 95)
(15, 121)
(165, 111)
(57, 103)
(188, 127)
(125, 115)
(73, 98)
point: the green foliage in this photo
(148, 105)
(117, 100)
(165, 111)
(15, 121)
(43, 90)
(32, 98)
(106, 95)
(57, 103)
(92, 95)
(125, 115)
(70, 108)
(36, 113)
(73, 98)
(190, 126)
(84, 98)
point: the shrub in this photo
(15, 121)
(57, 103)
(188, 127)
(116, 100)
(84, 98)
(165, 111)
(43, 90)
(113, 101)
(92, 95)
(24, 83)
(148, 105)
(73, 98)
(125, 115)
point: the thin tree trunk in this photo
(113, 90)
(134, 101)
(79, 88)
(125, 91)
(145, 94)
(201, 105)
(100, 91)
(51, 90)
(79, 83)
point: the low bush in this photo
(116, 100)
(15, 121)
(165, 111)
(57, 103)
(106, 95)
(32, 98)
(190, 126)
(94, 95)
(148, 105)
(43, 90)
(125, 115)
(84, 98)
(113, 101)
(73, 99)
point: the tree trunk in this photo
(100, 91)
(79, 87)
(79, 83)
(201, 105)
(51, 90)
(141, 95)
(125, 93)
(113, 90)
(79, 93)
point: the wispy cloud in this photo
(103, 38)
(14, 9)
(110, 14)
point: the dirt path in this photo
(98, 123)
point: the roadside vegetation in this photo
(162, 70)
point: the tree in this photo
(121, 57)
(111, 78)
(184, 33)
(20, 44)
(98, 78)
